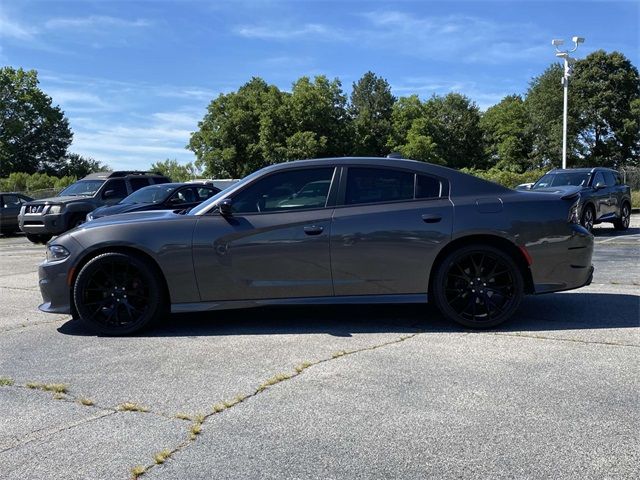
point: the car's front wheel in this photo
(588, 218)
(118, 294)
(625, 217)
(41, 238)
(478, 286)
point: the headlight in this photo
(56, 253)
(55, 208)
(574, 213)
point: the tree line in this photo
(260, 124)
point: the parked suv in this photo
(603, 196)
(41, 219)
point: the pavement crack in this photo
(560, 339)
(47, 432)
(199, 420)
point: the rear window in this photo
(138, 183)
(375, 185)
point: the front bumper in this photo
(562, 263)
(54, 223)
(56, 293)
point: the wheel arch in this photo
(491, 240)
(116, 249)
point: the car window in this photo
(82, 188)
(618, 179)
(118, 186)
(599, 178)
(610, 178)
(427, 187)
(157, 180)
(138, 183)
(374, 185)
(294, 189)
(205, 192)
(9, 201)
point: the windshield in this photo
(152, 194)
(204, 206)
(83, 187)
(560, 179)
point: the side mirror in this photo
(599, 186)
(225, 207)
(109, 193)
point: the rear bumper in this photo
(562, 263)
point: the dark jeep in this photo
(42, 219)
(603, 196)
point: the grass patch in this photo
(302, 367)
(48, 387)
(338, 354)
(280, 377)
(59, 396)
(6, 382)
(183, 416)
(635, 198)
(236, 400)
(195, 430)
(160, 457)
(218, 407)
(132, 407)
(87, 402)
(137, 471)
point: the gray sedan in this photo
(378, 231)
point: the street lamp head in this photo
(556, 42)
(578, 40)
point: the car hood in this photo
(564, 190)
(119, 208)
(134, 217)
(58, 200)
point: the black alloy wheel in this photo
(478, 286)
(117, 294)
(625, 218)
(588, 218)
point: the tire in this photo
(42, 238)
(588, 218)
(478, 286)
(119, 294)
(625, 217)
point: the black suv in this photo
(41, 219)
(603, 196)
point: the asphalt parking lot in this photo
(327, 393)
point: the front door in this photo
(276, 243)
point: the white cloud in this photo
(313, 31)
(94, 21)
(11, 28)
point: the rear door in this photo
(615, 192)
(387, 229)
(601, 196)
(275, 245)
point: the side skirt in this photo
(343, 300)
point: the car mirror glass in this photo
(599, 185)
(225, 207)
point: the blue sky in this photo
(134, 78)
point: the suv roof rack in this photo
(119, 173)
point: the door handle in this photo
(431, 218)
(313, 230)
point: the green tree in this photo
(73, 165)
(507, 142)
(453, 123)
(175, 171)
(32, 131)
(410, 131)
(238, 129)
(371, 110)
(318, 110)
(606, 91)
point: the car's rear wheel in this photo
(118, 294)
(625, 217)
(478, 286)
(39, 238)
(588, 217)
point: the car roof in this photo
(121, 174)
(581, 170)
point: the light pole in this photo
(568, 62)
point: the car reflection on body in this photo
(341, 231)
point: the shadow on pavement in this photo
(566, 311)
(612, 232)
